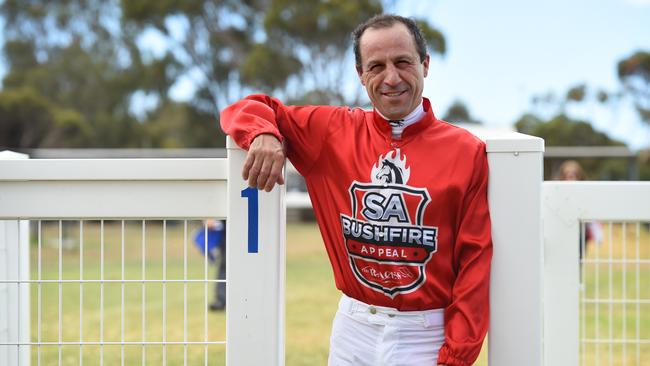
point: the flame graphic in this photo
(390, 168)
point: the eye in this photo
(403, 63)
(375, 67)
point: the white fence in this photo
(568, 308)
(198, 188)
(144, 189)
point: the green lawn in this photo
(311, 297)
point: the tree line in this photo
(103, 73)
(97, 73)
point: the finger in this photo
(248, 163)
(276, 174)
(264, 178)
(254, 171)
(280, 165)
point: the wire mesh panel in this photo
(122, 292)
(614, 293)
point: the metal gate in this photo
(118, 196)
(597, 291)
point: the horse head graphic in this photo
(390, 169)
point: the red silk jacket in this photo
(405, 222)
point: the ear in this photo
(360, 73)
(425, 65)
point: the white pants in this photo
(367, 335)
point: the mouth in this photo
(393, 94)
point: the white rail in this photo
(110, 188)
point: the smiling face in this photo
(391, 70)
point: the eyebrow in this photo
(398, 57)
(405, 56)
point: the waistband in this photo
(433, 317)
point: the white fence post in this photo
(514, 195)
(14, 299)
(255, 270)
(515, 336)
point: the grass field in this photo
(311, 297)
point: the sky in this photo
(502, 52)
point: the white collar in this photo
(410, 119)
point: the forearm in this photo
(248, 118)
(467, 315)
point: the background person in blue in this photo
(216, 252)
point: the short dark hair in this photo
(387, 21)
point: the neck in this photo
(408, 120)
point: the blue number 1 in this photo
(253, 208)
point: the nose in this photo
(392, 77)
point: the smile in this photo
(394, 94)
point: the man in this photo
(215, 245)
(401, 201)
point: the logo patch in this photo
(386, 242)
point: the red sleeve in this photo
(467, 317)
(303, 128)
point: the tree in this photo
(29, 120)
(551, 104)
(458, 113)
(634, 73)
(289, 48)
(69, 55)
(178, 125)
(576, 93)
(562, 130)
(94, 57)
(643, 162)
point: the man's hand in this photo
(263, 165)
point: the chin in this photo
(395, 114)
